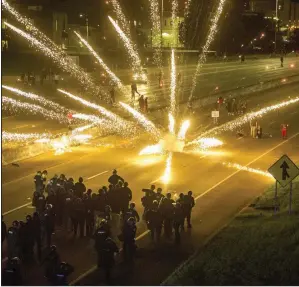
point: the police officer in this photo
(3, 231)
(38, 181)
(37, 234)
(52, 262)
(12, 275)
(100, 235)
(70, 184)
(79, 188)
(178, 221)
(49, 223)
(129, 233)
(189, 203)
(167, 210)
(77, 216)
(147, 201)
(29, 231)
(69, 200)
(125, 197)
(131, 212)
(89, 213)
(13, 240)
(115, 178)
(22, 240)
(159, 195)
(154, 221)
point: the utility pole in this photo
(162, 8)
(276, 25)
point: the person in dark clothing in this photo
(141, 103)
(102, 200)
(131, 212)
(89, 213)
(3, 231)
(12, 275)
(112, 96)
(37, 234)
(154, 221)
(29, 239)
(70, 184)
(51, 262)
(147, 201)
(189, 203)
(78, 216)
(13, 240)
(167, 210)
(281, 61)
(68, 203)
(51, 200)
(129, 233)
(125, 196)
(159, 196)
(178, 220)
(22, 236)
(80, 188)
(38, 181)
(115, 178)
(49, 223)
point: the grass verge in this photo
(257, 248)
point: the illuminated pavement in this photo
(222, 191)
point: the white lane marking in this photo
(5, 118)
(97, 175)
(251, 162)
(196, 198)
(19, 127)
(15, 209)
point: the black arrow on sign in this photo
(284, 167)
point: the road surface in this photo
(221, 191)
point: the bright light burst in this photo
(125, 26)
(182, 132)
(206, 143)
(22, 137)
(247, 118)
(37, 98)
(211, 35)
(61, 145)
(249, 169)
(131, 49)
(62, 62)
(171, 125)
(15, 105)
(147, 124)
(152, 149)
(167, 173)
(114, 78)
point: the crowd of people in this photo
(60, 202)
(30, 78)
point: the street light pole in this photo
(276, 25)
(87, 28)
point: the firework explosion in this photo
(134, 57)
(22, 137)
(156, 32)
(15, 105)
(211, 35)
(113, 77)
(62, 62)
(38, 99)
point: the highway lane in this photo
(214, 78)
(197, 172)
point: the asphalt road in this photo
(221, 191)
(214, 78)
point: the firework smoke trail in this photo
(182, 132)
(210, 38)
(134, 57)
(147, 124)
(121, 17)
(34, 109)
(37, 98)
(114, 78)
(21, 137)
(171, 126)
(156, 31)
(64, 64)
(173, 84)
(245, 119)
(167, 173)
(249, 169)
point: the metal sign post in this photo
(275, 199)
(291, 195)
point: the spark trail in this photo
(167, 173)
(174, 12)
(147, 124)
(182, 132)
(114, 78)
(22, 137)
(171, 126)
(247, 118)
(60, 61)
(249, 169)
(134, 57)
(32, 108)
(156, 32)
(38, 99)
(121, 17)
(211, 35)
(173, 85)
